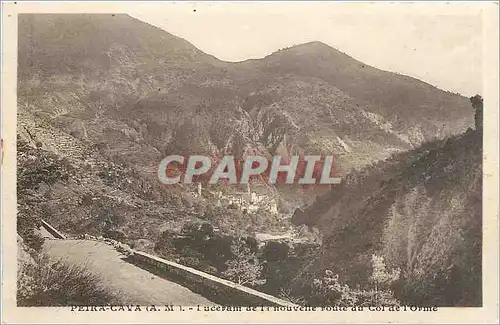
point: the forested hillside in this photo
(421, 210)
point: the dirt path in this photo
(135, 285)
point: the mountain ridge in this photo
(133, 90)
(102, 99)
(113, 79)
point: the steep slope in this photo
(83, 75)
(135, 89)
(401, 100)
(421, 210)
(102, 98)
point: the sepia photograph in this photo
(203, 158)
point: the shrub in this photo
(287, 295)
(245, 267)
(32, 239)
(35, 167)
(116, 235)
(56, 283)
(382, 279)
(329, 291)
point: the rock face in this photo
(144, 92)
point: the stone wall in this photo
(220, 291)
(215, 289)
(53, 231)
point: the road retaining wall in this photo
(53, 231)
(216, 289)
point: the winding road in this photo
(133, 284)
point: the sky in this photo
(437, 43)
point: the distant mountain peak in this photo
(316, 44)
(151, 80)
(315, 49)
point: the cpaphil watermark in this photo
(304, 170)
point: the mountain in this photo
(102, 98)
(421, 210)
(139, 93)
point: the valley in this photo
(103, 99)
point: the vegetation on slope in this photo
(102, 98)
(115, 80)
(45, 283)
(421, 210)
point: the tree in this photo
(477, 104)
(382, 279)
(329, 291)
(245, 267)
(380, 276)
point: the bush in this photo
(32, 239)
(329, 291)
(49, 283)
(116, 235)
(34, 168)
(245, 267)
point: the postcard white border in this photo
(488, 313)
